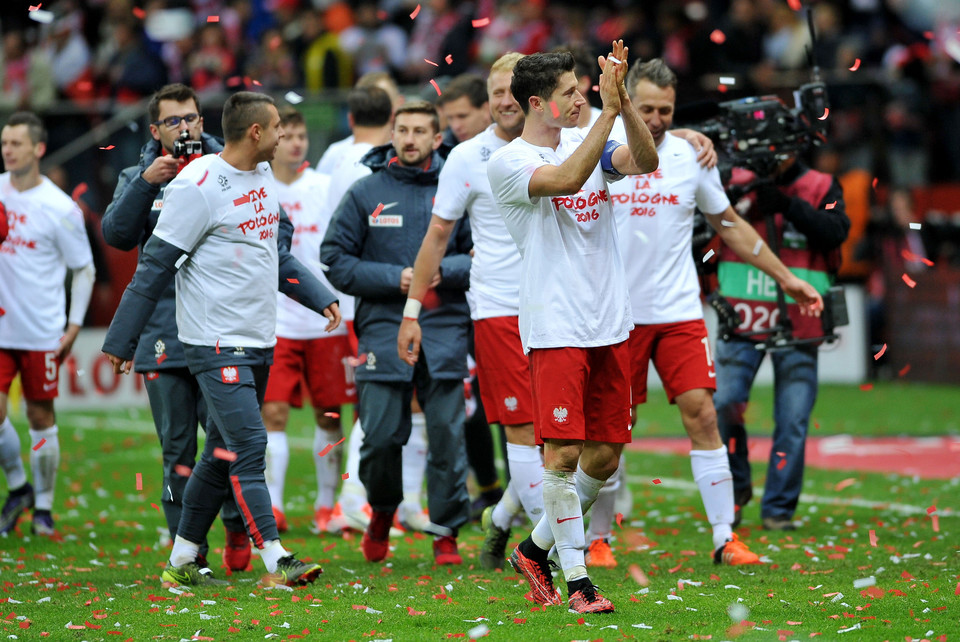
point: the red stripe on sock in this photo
(241, 502)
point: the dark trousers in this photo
(177, 407)
(385, 417)
(236, 427)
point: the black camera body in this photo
(185, 147)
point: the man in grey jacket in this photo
(369, 250)
(175, 399)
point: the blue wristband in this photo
(606, 159)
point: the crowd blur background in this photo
(892, 68)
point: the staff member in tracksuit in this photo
(175, 399)
(370, 248)
(218, 233)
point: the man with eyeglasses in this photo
(175, 399)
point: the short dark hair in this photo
(538, 75)
(369, 106)
(35, 127)
(177, 92)
(289, 116)
(473, 86)
(655, 70)
(586, 65)
(419, 107)
(241, 110)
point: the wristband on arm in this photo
(606, 159)
(411, 309)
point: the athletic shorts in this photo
(317, 365)
(679, 351)
(39, 372)
(503, 371)
(582, 393)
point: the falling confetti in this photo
(332, 415)
(107, 148)
(449, 59)
(435, 86)
(874, 183)
(910, 282)
(294, 281)
(293, 98)
(915, 226)
(830, 206)
(304, 165)
(139, 13)
(345, 476)
(377, 211)
(241, 200)
(638, 575)
(708, 256)
(415, 13)
(614, 60)
(904, 370)
(218, 346)
(718, 37)
(826, 112)
(430, 62)
(139, 481)
(880, 354)
(554, 109)
(34, 8)
(856, 65)
(224, 454)
(79, 191)
(480, 22)
(157, 508)
(213, 18)
(757, 247)
(794, 4)
(40, 444)
(183, 471)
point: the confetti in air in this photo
(224, 454)
(480, 22)
(826, 112)
(873, 538)
(213, 18)
(910, 282)
(830, 206)
(718, 37)
(880, 354)
(377, 211)
(34, 8)
(40, 444)
(107, 148)
(139, 13)
(614, 60)
(293, 98)
(757, 247)
(856, 65)
(183, 471)
(708, 256)
(435, 86)
(416, 12)
(345, 476)
(294, 281)
(915, 226)
(304, 165)
(449, 59)
(430, 62)
(554, 109)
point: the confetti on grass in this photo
(139, 481)
(656, 481)
(873, 538)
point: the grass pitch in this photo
(100, 579)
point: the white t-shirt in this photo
(654, 215)
(305, 202)
(46, 237)
(332, 154)
(227, 221)
(348, 171)
(464, 186)
(573, 291)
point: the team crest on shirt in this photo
(560, 414)
(229, 374)
(159, 348)
(510, 403)
(224, 183)
(371, 361)
(238, 351)
(484, 154)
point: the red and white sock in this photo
(711, 471)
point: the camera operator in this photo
(804, 212)
(175, 400)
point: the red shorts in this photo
(39, 372)
(582, 393)
(318, 365)
(679, 351)
(504, 371)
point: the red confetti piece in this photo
(873, 538)
(619, 520)
(874, 183)
(415, 13)
(554, 110)
(332, 415)
(294, 281)
(345, 476)
(155, 506)
(435, 86)
(816, 425)
(866, 387)
(722, 89)
(480, 22)
(449, 59)
(304, 165)
(430, 62)
(850, 481)
(928, 35)
(139, 13)
(794, 4)
(718, 37)
(218, 346)
(880, 354)
(241, 200)
(107, 148)
(379, 209)
(656, 481)
(910, 256)
(830, 206)
(932, 509)
(32, 8)
(826, 112)
(257, 83)
(79, 191)
(224, 454)
(139, 481)
(183, 471)
(161, 358)
(781, 464)
(213, 18)
(326, 449)
(904, 370)
(957, 590)
(40, 444)
(856, 65)
(910, 282)
(936, 523)
(638, 575)
(203, 178)
(733, 445)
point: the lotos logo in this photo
(510, 403)
(560, 414)
(229, 374)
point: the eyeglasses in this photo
(174, 121)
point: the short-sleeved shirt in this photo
(654, 215)
(573, 291)
(46, 236)
(227, 221)
(464, 187)
(305, 202)
(347, 171)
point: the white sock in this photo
(328, 466)
(414, 459)
(184, 551)
(353, 496)
(526, 471)
(603, 510)
(271, 553)
(563, 518)
(711, 471)
(44, 462)
(507, 508)
(277, 459)
(10, 460)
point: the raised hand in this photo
(611, 80)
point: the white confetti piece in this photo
(674, 597)
(738, 612)
(852, 628)
(915, 226)
(757, 247)
(865, 582)
(728, 80)
(293, 98)
(641, 626)
(837, 597)
(42, 16)
(707, 256)
(614, 60)
(478, 631)
(732, 586)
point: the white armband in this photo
(411, 309)
(81, 289)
